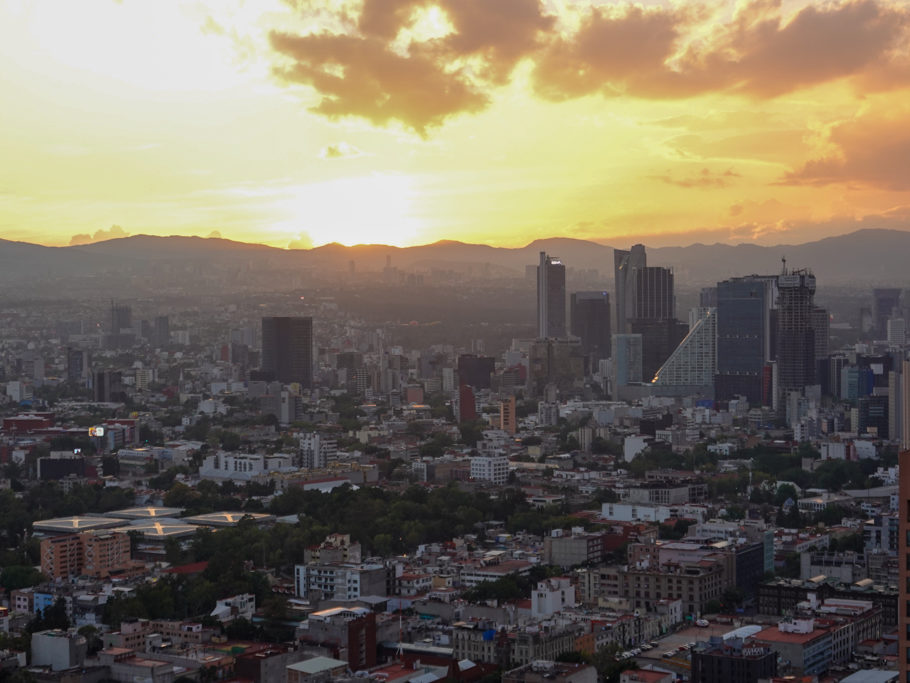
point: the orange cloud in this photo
(705, 178)
(622, 49)
(362, 74)
(758, 53)
(872, 149)
(363, 77)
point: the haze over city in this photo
(407, 122)
(471, 341)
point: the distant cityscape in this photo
(280, 488)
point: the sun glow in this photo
(373, 209)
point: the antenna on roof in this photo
(783, 260)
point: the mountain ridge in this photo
(868, 255)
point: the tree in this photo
(785, 491)
(51, 617)
(92, 638)
(275, 607)
(20, 576)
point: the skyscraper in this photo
(121, 318)
(78, 365)
(162, 330)
(795, 336)
(654, 297)
(744, 335)
(646, 305)
(626, 360)
(693, 363)
(589, 313)
(287, 349)
(626, 265)
(551, 298)
(885, 301)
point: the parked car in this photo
(703, 623)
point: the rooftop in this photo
(149, 512)
(317, 665)
(775, 635)
(227, 518)
(163, 529)
(62, 525)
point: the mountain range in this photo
(866, 257)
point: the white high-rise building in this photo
(493, 467)
(897, 332)
(317, 451)
(694, 362)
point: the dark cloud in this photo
(705, 178)
(364, 70)
(500, 32)
(610, 52)
(361, 74)
(762, 55)
(114, 232)
(872, 149)
(363, 77)
(759, 52)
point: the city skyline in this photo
(488, 123)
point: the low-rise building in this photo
(546, 671)
(733, 660)
(58, 649)
(802, 646)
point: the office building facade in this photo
(287, 349)
(551, 298)
(744, 336)
(590, 322)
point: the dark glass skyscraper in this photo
(475, 371)
(885, 301)
(626, 265)
(287, 349)
(654, 296)
(646, 305)
(795, 335)
(551, 298)
(590, 316)
(744, 334)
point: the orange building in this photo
(508, 421)
(91, 553)
(104, 552)
(61, 556)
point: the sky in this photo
(302, 122)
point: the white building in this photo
(241, 606)
(648, 512)
(551, 596)
(242, 467)
(897, 332)
(634, 445)
(340, 581)
(547, 414)
(493, 468)
(317, 451)
(58, 649)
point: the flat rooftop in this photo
(72, 525)
(227, 518)
(150, 512)
(160, 529)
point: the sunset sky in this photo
(409, 121)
